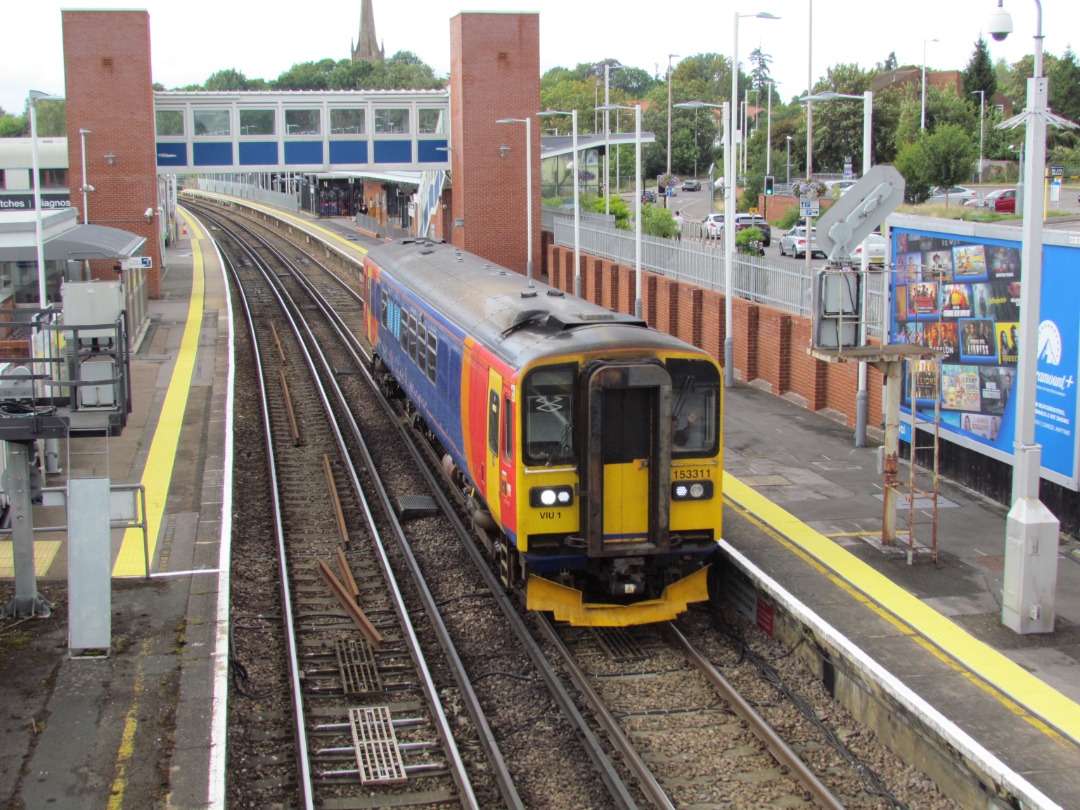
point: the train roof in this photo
(497, 306)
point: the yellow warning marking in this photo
(127, 739)
(157, 474)
(44, 554)
(1053, 711)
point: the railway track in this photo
(641, 756)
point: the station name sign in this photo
(25, 202)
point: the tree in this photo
(890, 63)
(226, 80)
(979, 73)
(943, 158)
(760, 77)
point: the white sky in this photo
(192, 39)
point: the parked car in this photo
(837, 188)
(989, 200)
(794, 243)
(875, 249)
(1005, 202)
(691, 185)
(713, 226)
(743, 221)
(648, 196)
(953, 194)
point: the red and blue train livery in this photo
(588, 443)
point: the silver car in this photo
(793, 243)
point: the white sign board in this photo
(138, 263)
(809, 208)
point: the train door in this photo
(627, 458)
(492, 479)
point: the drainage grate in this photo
(410, 507)
(356, 662)
(618, 644)
(375, 745)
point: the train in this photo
(588, 444)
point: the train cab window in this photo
(493, 422)
(548, 414)
(695, 408)
(432, 353)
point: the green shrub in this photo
(747, 235)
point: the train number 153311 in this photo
(689, 474)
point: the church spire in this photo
(367, 48)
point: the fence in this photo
(784, 287)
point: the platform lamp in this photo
(607, 140)
(1031, 535)
(528, 191)
(577, 207)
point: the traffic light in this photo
(769, 185)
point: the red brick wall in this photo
(109, 91)
(494, 70)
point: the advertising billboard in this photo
(959, 292)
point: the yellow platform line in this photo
(44, 554)
(157, 475)
(1012, 680)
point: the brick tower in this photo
(110, 92)
(494, 73)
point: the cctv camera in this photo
(1000, 24)
(149, 213)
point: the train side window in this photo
(432, 354)
(385, 309)
(412, 337)
(421, 347)
(508, 429)
(493, 422)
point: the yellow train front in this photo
(588, 442)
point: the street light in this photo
(528, 190)
(922, 125)
(789, 160)
(35, 97)
(85, 186)
(729, 195)
(577, 208)
(670, 56)
(637, 199)
(982, 126)
(1031, 530)
(861, 398)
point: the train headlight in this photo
(551, 496)
(696, 491)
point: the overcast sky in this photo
(193, 39)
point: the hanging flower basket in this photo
(810, 188)
(667, 181)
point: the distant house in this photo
(912, 74)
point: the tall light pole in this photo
(922, 119)
(35, 97)
(670, 56)
(85, 186)
(982, 126)
(861, 398)
(577, 207)
(789, 160)
(768, 130)
(1031, 533)
(637, 199)
(809, 105)
(528, 191)
(730, 168)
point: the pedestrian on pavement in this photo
(678, 226)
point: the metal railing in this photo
(785, 287)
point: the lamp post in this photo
(607, 141)
(1031, 543)
(922, 119)
(35, 97)
(861, 398)
(768, 130)
(789, 160)
(85, 186)
(528, 191)
(577, 207)
(982, 126)
(637, 199)
(730, 167)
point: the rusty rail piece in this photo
(363, 624)
(334, 499)
(347, 578)
(289, 408)
(277, 342)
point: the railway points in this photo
(87, 736)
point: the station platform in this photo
(145, 725)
